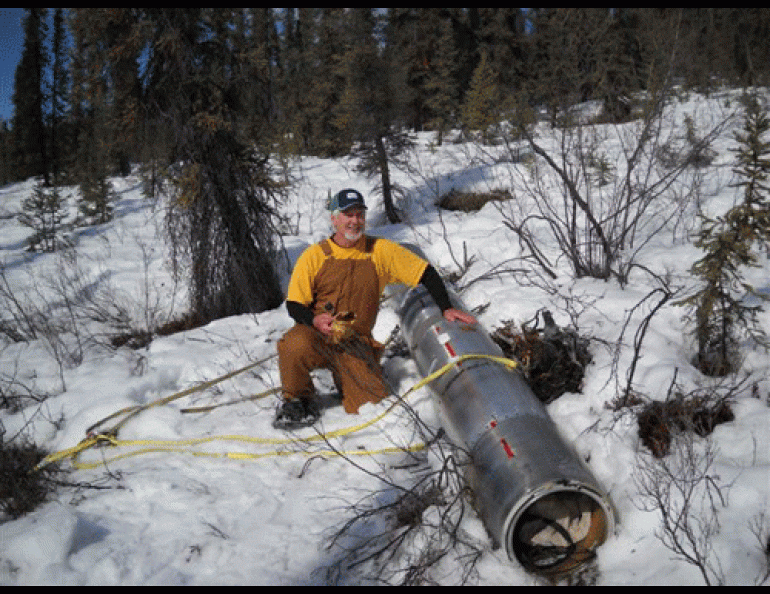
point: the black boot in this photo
(295, 413)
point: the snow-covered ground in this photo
(180, 509)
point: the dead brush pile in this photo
(553, 359)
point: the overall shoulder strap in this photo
(368, 246)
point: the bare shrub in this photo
(76, 307)
(572, 202)
(401, 534)
(15, 395)
(761, 530)
(684, 490)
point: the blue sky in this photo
(11, 42)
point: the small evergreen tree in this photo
(720, 305)
(43, 212)
(440, 83)
(481, 108)
(752, 216)
(96, 195)
(96, 200)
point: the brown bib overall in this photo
(341, 286)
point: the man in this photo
(333, 296)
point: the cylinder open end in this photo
(559, 532)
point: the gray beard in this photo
(353, 236)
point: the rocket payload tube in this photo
(533, 494)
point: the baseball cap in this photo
(346, 199)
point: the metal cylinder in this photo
(532, 492)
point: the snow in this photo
(238, 503)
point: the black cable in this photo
(534, 556)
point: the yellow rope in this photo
(182, 446)
(133, 411)
(110, 439)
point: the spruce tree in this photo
(719, 309)
(721, 305)
(43, 212)
(752, 216)
(96, 196)
(7, 170)
(92, 162)
(481, 108)
(372, 106)
(222, 220)
(327, 135)
(296, 79)
(502, 35)
(441, 92)
(29, 99)
(421, 43)
(59, 88)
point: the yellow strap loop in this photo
(133, 411)
(176, 448)
(109, 438)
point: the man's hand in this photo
(323, 323)
(455, 315)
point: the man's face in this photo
(350, 223)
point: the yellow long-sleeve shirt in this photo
(393, 263)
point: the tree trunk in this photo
(387, 189)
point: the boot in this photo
(295, 413)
